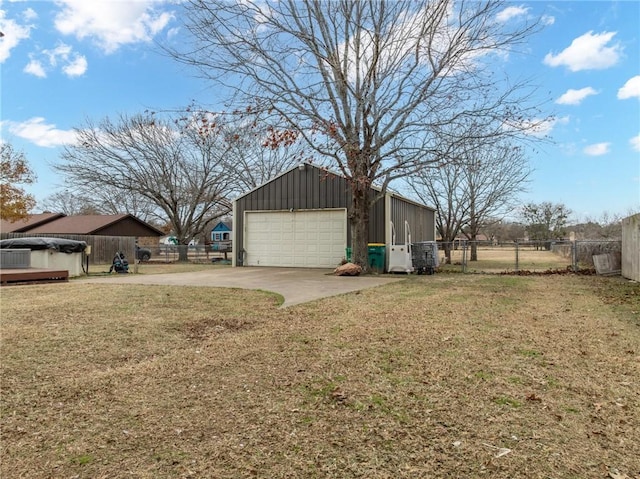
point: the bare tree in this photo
(546, 221)
(607, 226)
(102, 201)
(260, 152)
(70, 203)
(176, 165)
(442, 187)
(494, 176)
(478, 186)
(504, 230)
(368, 84)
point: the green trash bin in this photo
(377, 256)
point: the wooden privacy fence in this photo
(103, 248)
(631, 247)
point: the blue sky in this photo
(63, 62)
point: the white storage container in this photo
(399, 255)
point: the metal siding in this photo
(420, 220)
(302, 192)
(377, 221)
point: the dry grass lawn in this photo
(500, 259)
(445, 376)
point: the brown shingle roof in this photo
(78, 225)
(28, 223)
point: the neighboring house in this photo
(104, 233)
(171, 240)
(103, 225)
(168, 240)
(29, 222)
(301, 219)
(221, 236)
(480, 237)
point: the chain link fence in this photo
(521, 256)
(465, 256)
(189, 253)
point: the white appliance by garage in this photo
(399, 255)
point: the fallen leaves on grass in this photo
(409, 380)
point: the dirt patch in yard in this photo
(436, 376)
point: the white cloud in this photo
(597, 149)
(34, 67)
(72, 63)
(575, 97)
(29, 14)
(76, 67)
(630, 89)
(173, 32)
(62, 52)
(587, 52)
(13, 34)
(511, 12)
(40, 133)
(111, 24)
(538, 127)
(635, 142)
(548, 20)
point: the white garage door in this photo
(310, 239)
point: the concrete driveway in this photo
(296, 285)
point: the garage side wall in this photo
(421, 221)
(377, 223)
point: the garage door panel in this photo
(315, 238)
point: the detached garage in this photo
(301, 219)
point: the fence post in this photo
(574, 256)
(464, 256)
(135, 256)
(517, 257)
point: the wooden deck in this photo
(10, 277)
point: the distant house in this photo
(31, 221)
(172, 240)
(221, 232)
(479, 237)
(104, 225)
(221, 236)
(104, 233)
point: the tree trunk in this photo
(360, 225)
(183, 253)
(474, 249)
(447, 251)
(473, 225)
